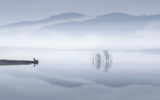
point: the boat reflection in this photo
(102, 60)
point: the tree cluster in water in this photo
(102, 60)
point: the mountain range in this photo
(76, 22)
(61, 18)
(111, 20)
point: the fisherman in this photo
(34, 59)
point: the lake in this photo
(72, 75)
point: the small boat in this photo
(4, 62)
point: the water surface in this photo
(71, 75)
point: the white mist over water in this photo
(111, 31)
(57, 41)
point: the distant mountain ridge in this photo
(61, 17)
(101, 24)
(108, 22)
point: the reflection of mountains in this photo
(4, 62)
(101, 60)
(84, 79)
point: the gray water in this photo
(71, 75)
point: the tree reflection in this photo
(102, 60)
(97, 60)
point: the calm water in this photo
(71, 75)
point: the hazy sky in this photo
(19, 10)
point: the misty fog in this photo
(115, 31)
(79, 49)
(62, 41)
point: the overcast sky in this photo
(19, 10)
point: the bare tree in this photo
(102, 59)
